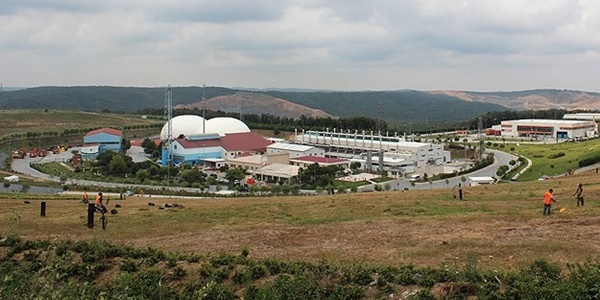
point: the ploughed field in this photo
(501, 226)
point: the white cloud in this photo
(335, 44)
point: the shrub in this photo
(556, 155)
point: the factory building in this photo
(100, 140)
(393, 149)
(211, 142)
(540, 128)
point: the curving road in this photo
(500, 158)
(23, 166)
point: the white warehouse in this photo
(339, 143)
(559, 129)
(295, 150)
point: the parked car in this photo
(415, 178)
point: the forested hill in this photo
(97, 98)
(392, 106)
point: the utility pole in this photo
(480, 136)
(168, 160)
(379, 116)
(203, 109)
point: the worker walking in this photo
(548, 199)
(99, 205)
(579, 194)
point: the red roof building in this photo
(107, 139)
(110, 131)
(195, 149)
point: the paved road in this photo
(23, 166)
(500, 158)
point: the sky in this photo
(348, 45)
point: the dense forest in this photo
(394, 106)
(277, 123)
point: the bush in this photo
(556, 155)
(589, 161)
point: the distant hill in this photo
(256, 103)
(532, 99)
(393, 106)
(405, 106)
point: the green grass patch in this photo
(554, 159)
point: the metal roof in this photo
(290, 147)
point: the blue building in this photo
(100, 140)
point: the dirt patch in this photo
(422, 228)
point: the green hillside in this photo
(97, 98)
(395, 106)
(404, 106)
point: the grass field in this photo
(23, 121)
(501, 226)
(552, 159)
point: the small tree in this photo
(25, 188)
(319, 190)
(234, 174)
(141, 175)
(117, 165)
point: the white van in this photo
(415, 178)
(12, 178)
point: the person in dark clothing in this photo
(579, 194)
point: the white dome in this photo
(185, 124)
(225, 125)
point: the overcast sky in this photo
(475, 45)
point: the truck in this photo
(33, 152)
(494, 132)
(18, 154)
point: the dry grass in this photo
(501, 225)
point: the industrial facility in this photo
(559, 129)
(211, 142)
(100, 140)
(392, 154)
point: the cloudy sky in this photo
(476, 45)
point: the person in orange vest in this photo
(99, 203)
(548, 199)
(85, 198)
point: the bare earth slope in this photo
(254, 103)
(533, 99)
(501, 226)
